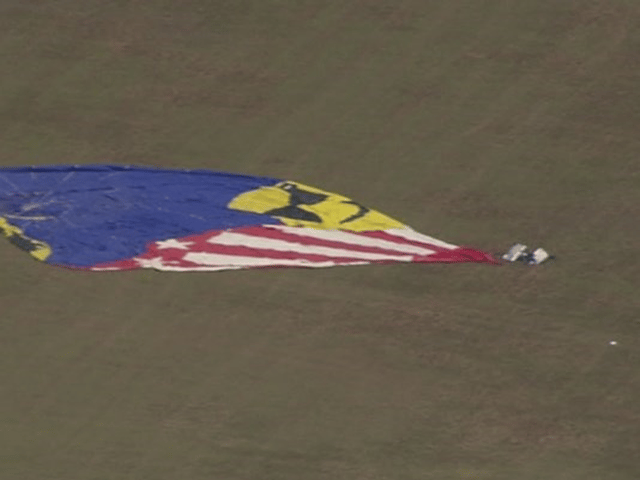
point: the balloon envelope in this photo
(114, 217)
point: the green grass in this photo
(478, 122)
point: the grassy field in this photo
(481, 122)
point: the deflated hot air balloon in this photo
(113, 217)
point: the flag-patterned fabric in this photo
(281, 246)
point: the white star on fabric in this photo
(156, 262)
(173, 243)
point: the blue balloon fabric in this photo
(101, 213)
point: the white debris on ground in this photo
(521, 253)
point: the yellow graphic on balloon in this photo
(298, 205)
(36, 248)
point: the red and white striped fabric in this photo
(283, 246)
